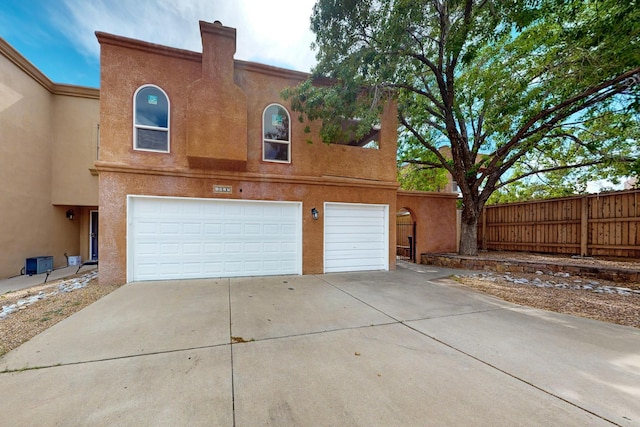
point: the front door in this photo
(93, 235)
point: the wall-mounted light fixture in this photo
(314, 213)
(70, 214)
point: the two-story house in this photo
(195, 167)
(205, 172)
(49, 141)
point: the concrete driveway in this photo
(401, 348)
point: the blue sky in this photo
(57, 36)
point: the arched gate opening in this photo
(405, 236)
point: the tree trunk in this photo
(469, 231)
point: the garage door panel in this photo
(233, 248)
(253, 248)
(252, 229)
(192, 228)
(287, 230)
(212, 248)
(192, 249)
(355, 264)
(232, 210)
(252, 266)
(164, 249)
(368, 253)
(233, 229)
(357, 246)
(356, 237)
(212, 228)
(356, 216)
(356, 222)
(348, 233)
(212, 267)
(191, 267)
(271, 229)
(232, 267)
(195, 238)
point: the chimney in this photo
(218, 48)
(216, 106)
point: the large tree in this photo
(514, 87)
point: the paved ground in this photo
(377, 348)
(17, 283)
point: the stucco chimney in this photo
(218, 48)
(217, 107)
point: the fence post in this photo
(584, 227)
(484, 228)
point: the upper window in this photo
(151, 119)
(276, 133)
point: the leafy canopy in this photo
(515, 88)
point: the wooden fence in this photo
(598, 224)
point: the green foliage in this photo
(518, 89)
(418, 168)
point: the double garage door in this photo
(185, 238)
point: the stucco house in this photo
(49, 138)
(205, 172)
(194, 167)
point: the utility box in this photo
(38, 265)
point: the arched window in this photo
(151, 119)
(276, 134)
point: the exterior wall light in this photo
(314, 213)
(70, 214)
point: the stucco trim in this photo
(23, 63)
(126, 42)
(249, 177)
(114, 40)
(32, 71)
(77, 91)
(270, 70)
(430, 194)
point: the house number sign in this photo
(225, 189)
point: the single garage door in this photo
(356, 237)
(184, 238)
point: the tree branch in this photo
(525, 133)
(557, 168)
(428, 146)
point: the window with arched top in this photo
(151, 119)
(276, 134)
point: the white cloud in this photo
(274, 33)
(602, 185)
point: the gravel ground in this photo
(602, 300)
(608, 307)
(623, 309)
(25, 323)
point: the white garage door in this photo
(356, 237)
(177, 238)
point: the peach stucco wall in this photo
(113, 208)
(125, 69)
(317, 172)
(435, 216)
(38, 118)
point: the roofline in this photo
(32, 71)
(129, 43)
